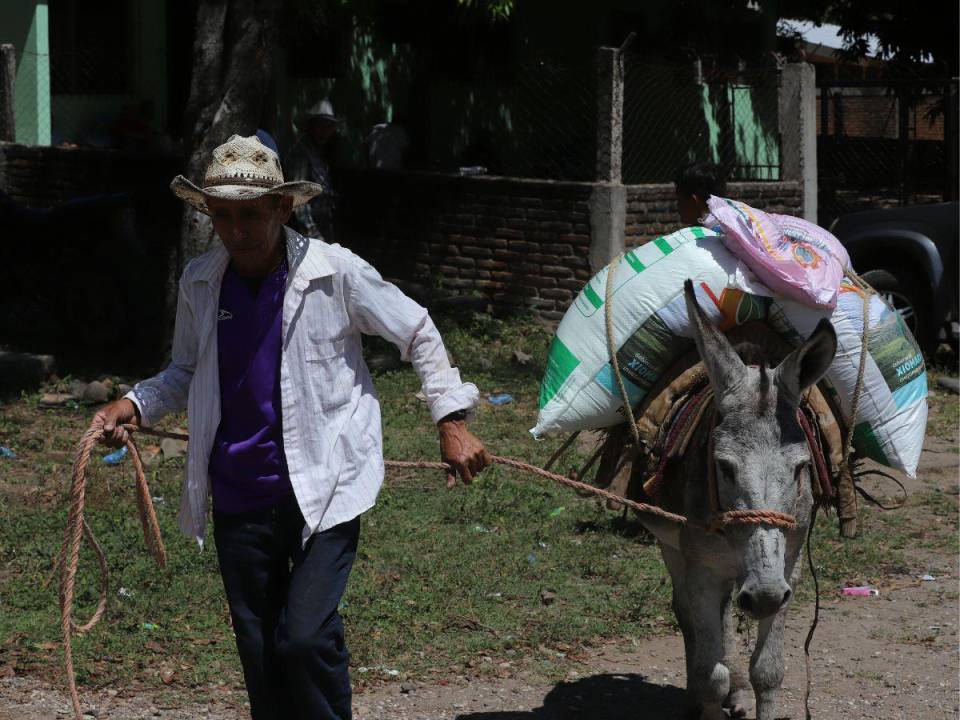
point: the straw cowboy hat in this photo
(322, 110)
(243, 168)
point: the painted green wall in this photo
(23, 23)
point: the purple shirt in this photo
(248, 469)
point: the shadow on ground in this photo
(601, 697)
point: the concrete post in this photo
(608, 198)
(608, 217)
(8, 76)
(798, 132)
(950, 139)
(609, 114)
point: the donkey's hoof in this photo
(738, 703)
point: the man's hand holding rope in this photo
(461, 450)
(112, 417)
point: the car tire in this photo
(904, 291)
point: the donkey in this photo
(761, 461)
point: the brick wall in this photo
(46, 176)
(518, 243)
(652, 209)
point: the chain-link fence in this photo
(546, 119)
(674, 114)
(883, 143)
(537, 122)
(553, 121)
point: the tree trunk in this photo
(233, 60)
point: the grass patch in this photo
(445, 583)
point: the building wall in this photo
(85, 114)
(519, 243)
(47, 176)
(80, 116)
(875, 114)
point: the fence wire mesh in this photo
(884, 144)
(674, 114)
(549, 121)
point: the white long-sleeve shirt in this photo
(330, 413)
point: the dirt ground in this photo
(893, 656)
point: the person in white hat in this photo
(284, 421)
(309, 159)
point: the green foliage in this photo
(913, 33)
(497, 10)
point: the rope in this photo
(612, 350)
(561, 479)
(870, 498)
(816, 615)
(78, 528)
(864, 346)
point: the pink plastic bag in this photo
(791, 256)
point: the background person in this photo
(309, 159)
(695, 184)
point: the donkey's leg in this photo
(708, 680)
(680, 609)
(766, 664)
(738, 698)
(675, 563)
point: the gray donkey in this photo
(762, 462)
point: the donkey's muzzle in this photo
(761, 602)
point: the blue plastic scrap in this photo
(116, 457)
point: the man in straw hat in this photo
(284, 421)
(309, 160)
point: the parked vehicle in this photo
(910, 256)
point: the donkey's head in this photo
(761, 457)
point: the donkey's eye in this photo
(727, 470)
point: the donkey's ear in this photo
(808, 363)
(724, 366)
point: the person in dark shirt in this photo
(695, 184)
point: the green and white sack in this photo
(651, 331)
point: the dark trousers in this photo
(283, 599)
